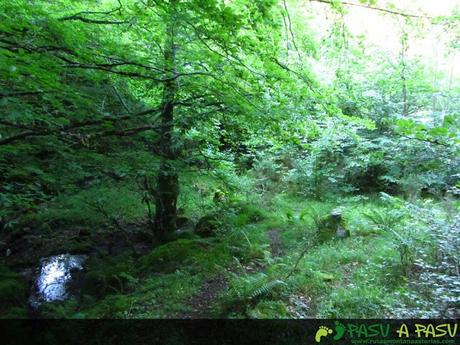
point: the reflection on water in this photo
(55, 274)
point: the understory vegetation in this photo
(228, 159)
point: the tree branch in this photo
(95, 21)
(79, 16)
(289, 22)
(61, 130)
(330, 2)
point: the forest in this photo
(255, 159)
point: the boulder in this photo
(332, 226)
(207, 225)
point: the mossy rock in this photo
(332, 226)
(324, 276)
(248, 213)
(170, 256)
(207, 225)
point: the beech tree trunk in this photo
(167, 189)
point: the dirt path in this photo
(201, 303)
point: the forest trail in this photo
(201, 302)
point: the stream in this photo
(57, 278)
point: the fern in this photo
(384, 219)
(266, 289)
(253, 287)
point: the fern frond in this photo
(266, 288)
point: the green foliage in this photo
(391, 220)
(109, 275)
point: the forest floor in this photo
(264, 261)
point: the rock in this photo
(332, 226)
(207, 225)
(342, 232)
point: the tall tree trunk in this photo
(167, 189)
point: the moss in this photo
(331, 226)
(248, 213)
(207, 225)
(170, 256)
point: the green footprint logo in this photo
(323, 331)
(339, 330)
